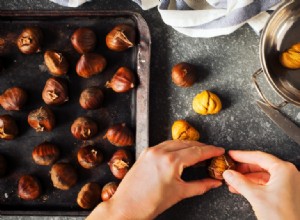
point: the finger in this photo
(248, 168)
(199, 187)
(174, 145)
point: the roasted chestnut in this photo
(108, 191)
(29, 188)
(121, 37)
(89, 196)
(122, 81)
(8, 127)
(56, 63)
(3, 166)
(13, 99)
(45, 154)
(63, 176)
(55, 92)
(42, 119)
(89, 157)
(84, 128)
(120, 163)
(207, 103)
(91, 98)
(30, 40)
(219, 165)
(120, 135)
(90, 64)
(84, 40)
(184, 74)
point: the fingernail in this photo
(227, 174)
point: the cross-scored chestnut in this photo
(89, 196)
(56, 63)
(182, 130)
(63, 176)
(120, 135)
(89, 157)
(219, 165)
(207, 103)
(184, 74)
(30, 40)
(122, 81)
(108, 191)
(121, 37)
(55, 92)
(45, 154)
(13, 99)
(91, 98)
(8, 127)
(120, 163)
(29, 188)
(41, 119)
(90, 64)
(3, 165)
(84, 40)
(84, 128)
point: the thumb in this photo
(199, 187)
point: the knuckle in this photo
(169, 159)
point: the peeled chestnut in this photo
(84, 40)
(63, 176)
(45, 154)
(91, 98)
(120, 163)
(29, 188)
(108, 191)
(122, 81)
(184, 74)
(219, 165)
(13, 99)
(8, 127)
(30, 40)
(90, 64)
(56, 63)
(89, 157)
(55, 92)
(41, 119)
(3, 166)
(121, 37)
(119, 135)
(89, 196)
(84, 128)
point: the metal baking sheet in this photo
(27, 72)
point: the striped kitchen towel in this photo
(206, 18)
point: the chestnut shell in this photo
(120, 135)
(89, 157)
(13, 99)
(84, 128)
(63, 176)
(184, 74)
(121, 37)
(41, 119)
(89, 196)
(84, 40)
(45, 154)
(219, 164)
(56, 63)
(122, 81)
(55, 92)
(91, 98)
(8, 127)
(29, 188)
(108, 190)
(120, 163)
(30, 40)
(90, 64)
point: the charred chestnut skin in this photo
(89, 157)
(184, 74)
(121, 37)
(3, 166)
(56, 63)
(63, 176)
(45, 154)
(8, 127)
(122, 81)
(13, 99)
(41, 119)
(84, 128)
(55, 92)
(84, 40)
(91, 98)
(29, 187)
(30, 40)
(120, 135)
(120, 163)
(108, 190)
(90, 64)
(89, 196)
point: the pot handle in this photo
(254, 78)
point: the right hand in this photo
(271, 185)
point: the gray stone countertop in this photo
(225, 65)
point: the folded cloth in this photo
(206, 18)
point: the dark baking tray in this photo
(27, 72)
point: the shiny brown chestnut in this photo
(45, 154)
(89, 196)
(29, 188)
(8, 127)
(89, 157)
(184, 74)
(84, 40)
(108, 191)
(3, 166)
(41, 119)
(122, 81)
(91, 98)
(121, 38)
(84, 128)
(120, 135)
(13, 99)
(120, 163)
(56, 63)
(30, 40)
(55, 92)
(63, 176)
(90, 64)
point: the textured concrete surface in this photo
(225, 66)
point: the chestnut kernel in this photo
(84, 40)
(55, 92)
(45, 154)
(89, 157)
(56, 63)
(3, 166)
(108, 191)
(120, 135)
(84, 128)
(8, 127)
(121, 38)
(29, 188)
(13, 99)
(184, 74)
(89, 196)
(91, 98)
(219, 165)
(90, 64)
(30, 40)
(120, 163)
(63, 176)
(41, 119)
(122, 81)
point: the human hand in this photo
(270, 185)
